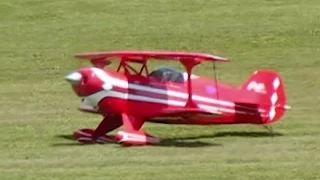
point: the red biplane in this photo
(129, 97)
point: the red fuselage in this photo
(111, 92)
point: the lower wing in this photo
(183, 114)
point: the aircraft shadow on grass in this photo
(166, 142)
(236, 134)
(185, 141)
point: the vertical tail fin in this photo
(269, 84)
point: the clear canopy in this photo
(168, 74)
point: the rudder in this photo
(269, 84)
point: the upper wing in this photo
(145, 55)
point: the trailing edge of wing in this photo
(185, 113)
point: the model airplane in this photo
(130, 96)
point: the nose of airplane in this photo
(74, 78)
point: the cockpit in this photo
(168, 74)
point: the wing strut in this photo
(189, 64)
(216, 80)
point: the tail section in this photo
(269, 85)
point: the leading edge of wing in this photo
(143, 55)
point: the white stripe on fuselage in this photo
(97, 97)
(124, 84)
(101, 74)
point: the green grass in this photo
(39, 38)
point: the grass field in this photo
(37, 42)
